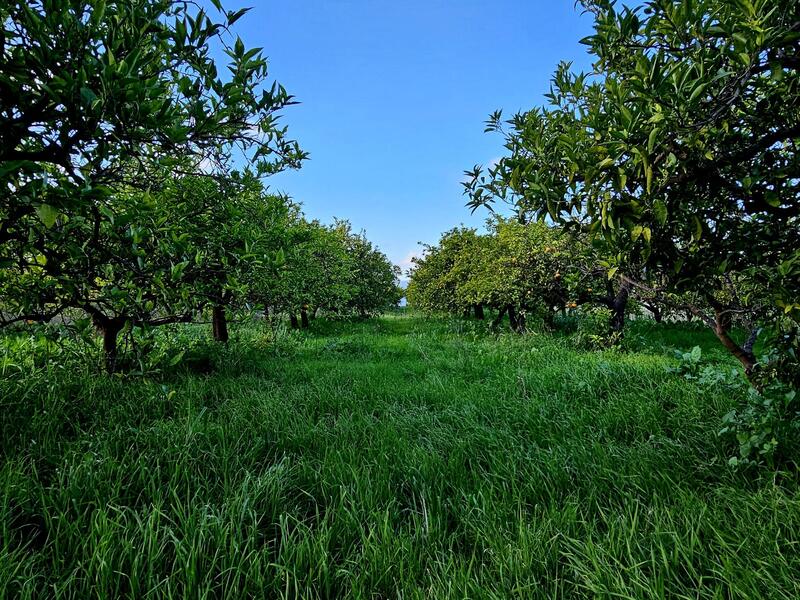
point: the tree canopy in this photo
(676, 154)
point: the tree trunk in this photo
(109, 328)
(304, 318)
(520, 322)
(479, 312)
(550, 317)
(499, 318)
(513, 319)
(743, 354)
(619, 306)
(293, 321)
(467, 312)
(657, 314)
(219, 324)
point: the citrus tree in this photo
(373, 279)
(436, 276)
(237, 233)
(314, 273)
(677, 155)
(100, 97)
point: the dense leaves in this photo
(677, 155)
(101, 99)
(120, 199)
(515, 268)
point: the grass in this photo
(403, 457)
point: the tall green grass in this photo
(403, 457)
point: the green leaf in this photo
(698, 228)
(660, 212)
(772, 199)
(697, 91)
(99, 12)
(88, 96)
(47, 214)
(606, 162)
(280, 258)
(651, 140)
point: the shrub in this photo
(592, 331)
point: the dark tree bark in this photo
(655, 310)
(219, 324)
(619, 305)
(109, 328)
(516, 320)
(479, 312)
(499, 318)
(521, 326)
(550, 318)
(293, 321)
(304, 318)
(744, 354)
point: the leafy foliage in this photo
(676, 154)
(514, 265)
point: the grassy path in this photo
(402, 457)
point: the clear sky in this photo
(394, 96)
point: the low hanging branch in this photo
(720, 322)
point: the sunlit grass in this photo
(401, 457)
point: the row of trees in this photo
(676, 157)
(514, 269)
(522, 270)
(118, 193)
(671, 169)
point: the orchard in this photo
(215, 385)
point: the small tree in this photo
(374, 279)
(434, 281)
(236, 231)
(315, 273)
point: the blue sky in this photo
(394, 96)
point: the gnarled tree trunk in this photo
(479, 312)
(304, 318)
(744, 354)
